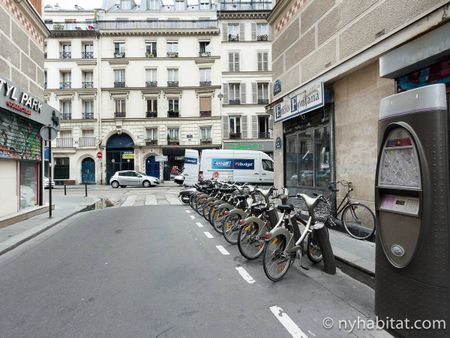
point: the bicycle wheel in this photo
(218, 220)
(250, 245)
(206, 210)
(231, 228)
(358, 221)
(276, 262)
(313, 249)
(200, 205)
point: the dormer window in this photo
(125, 4)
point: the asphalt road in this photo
(151, 271)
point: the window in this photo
(119, 49)
(151, 78)
(233, 62)
(263, 93)
(119, 78)
(28, 184)
(205, 135)
(88, 80)
(262, 32)
(234, 93)
(204, 48)
(179, 5)
(172, 48)
(61, 170)
(152, 134)
(205, 106)
(263, 127)
(235, 127)
(233, 32)
(152, 108)
(88, 109)
(120, 108)
(65, 50)
(150, 49)
(205, 76)
(172, 75)
(65, 82)
(263, 61)
(66, 109)
(172, 134)
(173, 108)
(267, 165)
(153, 4)
(87, 50)
(125, 4)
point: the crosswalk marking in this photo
(173, 200)
(150, 200)
(129, 201)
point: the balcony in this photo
(158, 24)
(204, 54)
(263, 101)
(87, 55)
(75, 26)
(151, 83)
(234, 101)
(87, 84)
(88, 115)
(173, 113)
(150, 141)
(173, 141)
(172, 54)
(246, 6)
(205, 113)
(66, 116)
(120, 114)
(119, 55)
(233, 38)
(64, 142)
(262, 37)
(150, 55)
(151, 114)
(235, 136)
(172, 83)
(65, 85)
(87, 142)
(265, 135)
(65, 55)
(205, 83)
(206, 141)
(119, 84)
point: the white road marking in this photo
(129, 201)
(150, 200)
(200, 225)
(173, 200)
(188, 211)
(244, 274)
(222, 250)
(192, 217)
(207, 234)
(287, 322)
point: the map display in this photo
(399, 163)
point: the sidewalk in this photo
(18, 233)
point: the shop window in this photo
(28, 184)
(61, 169)
(291, 160)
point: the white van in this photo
(189, 176)
(247, 166)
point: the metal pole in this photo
(50, 172)
(85, 190)
(65, 189)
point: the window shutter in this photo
(243, 93)
(270, 92)
(225, 32)
(230, 62)
(226, 130)
(270, 125)
(253, 31)
(236, 66)
(242, 32)
(265, 61)
(254, 93)
(244, 126)
(255, 126)
(269, 30)
(260, 59)
(225, 93)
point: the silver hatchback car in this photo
(132, 178)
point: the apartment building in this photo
(134, 82)
(332, 64)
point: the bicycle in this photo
(357, 218)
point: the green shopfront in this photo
(21, 148)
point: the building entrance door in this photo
(119, 154)
(88, 171)
(152, 167)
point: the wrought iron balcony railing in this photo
(172, 83)
(87, 84)
(263, 101)
(65, 55)
(262, 37)
(204, 54)
(245, 6)
(265, 135)
(151, 141)
(205, 113)
(206, 141)
(173, 113)
(151, 83)
(172, 54)
(66, 116)
(205, 83)
(120, 114)
(152, 114)
(119, 84)
(158, 24)
(234, 101)
(88, 115)
(87, 55)
(119, 55)
(173, 141)
(233, 38)
(150, 54)
(235, 135)
(65, 85)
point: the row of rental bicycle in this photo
(262, 223)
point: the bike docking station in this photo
(412, 274)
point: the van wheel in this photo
(146, 184)
(115, 184)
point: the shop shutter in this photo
(225, 32)
(226, 132)
(225, 93)
(242, 30)
(255, 126)
(244, 126)
(253, 31)
(243, 93)
(255, 93)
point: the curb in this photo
(31, 236)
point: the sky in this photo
(69, 4)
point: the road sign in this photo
(48, 133)
(161, 158)
(99, 155)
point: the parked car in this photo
(47, 183)
(132, 178)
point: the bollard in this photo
(85, 190)
(65, 189)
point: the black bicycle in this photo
(357, 218)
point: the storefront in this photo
(21, 149)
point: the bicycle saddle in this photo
(260, 210)
(310, 202)
(286, 208)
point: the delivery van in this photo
(189, 176)
(246, 166)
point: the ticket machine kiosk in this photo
(412, 205)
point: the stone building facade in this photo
(328, 83)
